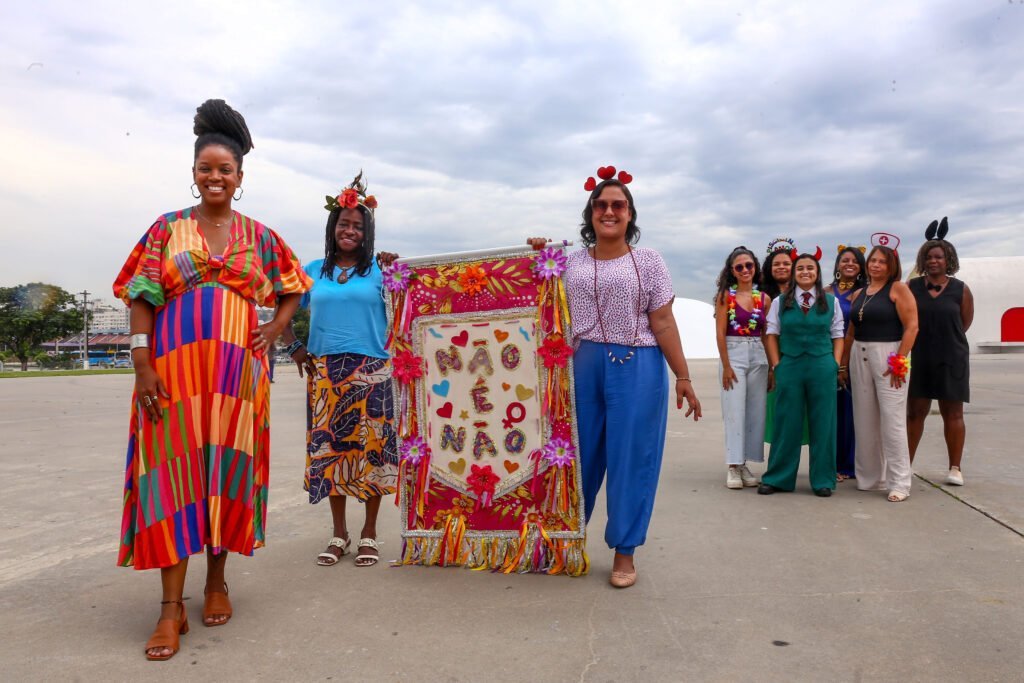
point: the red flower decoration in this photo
(473, 280)
(349, 199)
(554, 351)
(370, 202)
(406, 367)
(481, 481)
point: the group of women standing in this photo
(198, 453)
(802, 364)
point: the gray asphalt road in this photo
(733, 586)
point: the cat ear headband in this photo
(936, 230)
(607, 173)
(843, 247)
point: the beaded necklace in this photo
(755, 315)
(600, 321)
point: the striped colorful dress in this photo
(198, 478)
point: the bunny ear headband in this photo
(936, 230)
(607, 173)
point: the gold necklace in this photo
(211, 222)
(860, 313)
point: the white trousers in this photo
(743, 406)
(882, 458)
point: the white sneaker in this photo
(748, 477)
(733, 478)
(955, 477)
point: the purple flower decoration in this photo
(559, 452)
(414, 449)
(550, 263)
(397, 276)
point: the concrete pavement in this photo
(733, 586)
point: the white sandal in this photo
(897, 496)
(327, 558)
(365, 559)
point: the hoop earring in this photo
(194, 191)
(241, 191)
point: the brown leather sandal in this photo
(166, 633)
(217, 603)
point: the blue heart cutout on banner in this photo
(442, 388)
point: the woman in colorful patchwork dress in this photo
(849, 278)
(350, 435)
(883, 326)
(804, 341)
(740, 311)
(620, 300)
(199, 443)
(945, 310)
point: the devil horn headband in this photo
(793, 254)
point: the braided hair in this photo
(365, 259)
(216, 123)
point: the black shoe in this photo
(766, 489)
(823, 493)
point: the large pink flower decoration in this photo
(559, 452)
(414, 449)
(549, 263)
(397, 277)
(406, 367)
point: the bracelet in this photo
(682, 379)
(293, 347)
(843, 368)
(138, 341)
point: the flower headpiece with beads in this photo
(352, 196)
(607, 173)
(785, 244)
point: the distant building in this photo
(109, 319)
(998, 304)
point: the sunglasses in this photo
(617, 205)
(741, 267)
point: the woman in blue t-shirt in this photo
(350, 436)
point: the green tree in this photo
(300, 325)
(35, 313)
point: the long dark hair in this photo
(365, 260)
(587, 233)
(216, 123)
(862, 276)
(819, 290)
(768, 284)
(727, 278)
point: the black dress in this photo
(940, 361)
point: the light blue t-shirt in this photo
(348, 318)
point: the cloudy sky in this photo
(477, 123)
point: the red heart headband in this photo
(794, 254)
(607, 173)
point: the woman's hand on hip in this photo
(684, 390)
(149, 388)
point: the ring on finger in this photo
(147, 400)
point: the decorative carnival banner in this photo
(489, 476)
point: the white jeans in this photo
(882, 457)
(743, 406)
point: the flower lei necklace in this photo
(755, 315)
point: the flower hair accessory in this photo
(607, 173)
(936, 230)
(352, 196)
(781, 244)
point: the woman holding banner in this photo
(620, 299)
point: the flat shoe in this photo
(217, 604)
(897, 497)
(623, 579)
(823, 492)
(329, 559)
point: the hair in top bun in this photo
(216, 123)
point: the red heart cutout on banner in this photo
(590, 185)
(445, 411)
(606, 172)
(625, 178)
(461, 339)
(510, 466)
(500, 336)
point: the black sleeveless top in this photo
(874, 317)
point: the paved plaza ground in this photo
(733, 586)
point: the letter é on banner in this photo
(448, 360)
